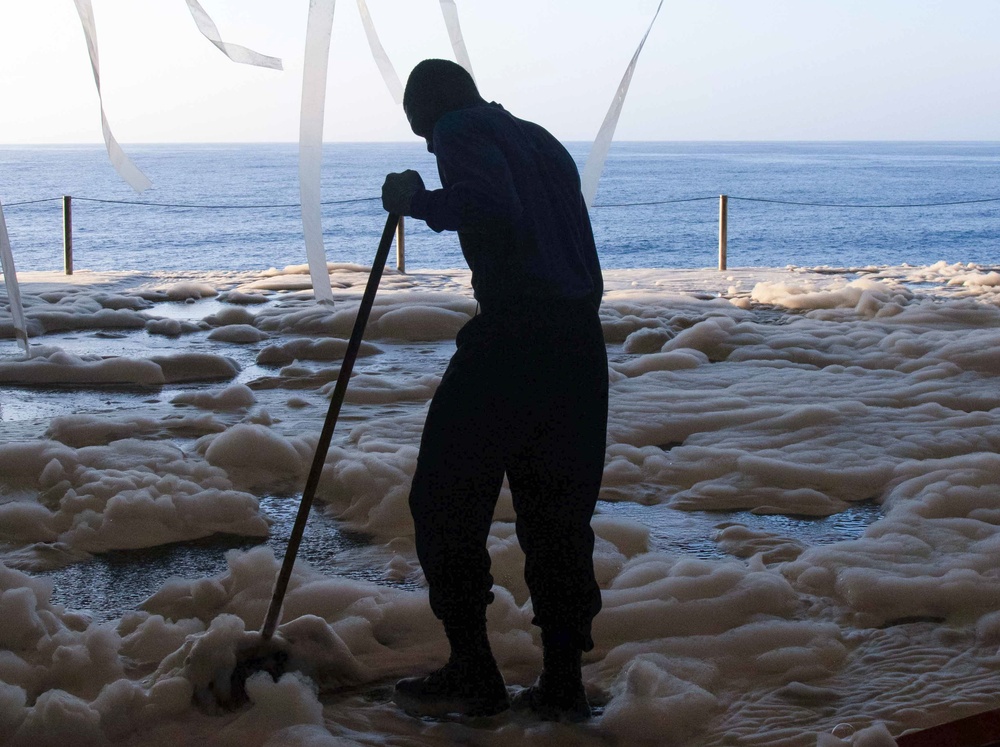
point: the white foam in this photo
(235, 397)
(775, 392)
(238, 333)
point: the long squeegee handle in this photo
(326, 435)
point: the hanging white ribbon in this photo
(450, 11)
(125, 168)
(235, 52)
(13, 290)
(319, 29)
(385, 67)
(602, 144)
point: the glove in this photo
(398, 191)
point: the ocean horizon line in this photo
(415, 141)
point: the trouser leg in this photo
(454, 492)
(555, 478)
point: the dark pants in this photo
(525, 394)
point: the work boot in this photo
(469, 684)
(558, 695)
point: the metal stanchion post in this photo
(723, 229)
(68, 234)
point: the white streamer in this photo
(385, 67)
(319, 29)
(125, 168)
(602, 144)
(13, 289)
(450, 11)
(235, 52)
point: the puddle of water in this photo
(110, 584)
(693, 532)
(184, 311)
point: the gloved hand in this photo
(398, 191)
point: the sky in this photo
(710, 70)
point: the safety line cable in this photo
(842, 205)
(30, 202)
(659, 202)
(803, 204)
(599, 205)
(220, 207)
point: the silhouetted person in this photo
(526, 394)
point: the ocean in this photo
(110, 235)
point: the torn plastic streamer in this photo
(13, 290)
(385, 67)
(450, 11)
(319, 28)
(235, 52)
(125, 168)
(602, 144)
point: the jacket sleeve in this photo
(479, 194)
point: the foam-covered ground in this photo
(159, 410)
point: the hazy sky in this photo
(711, 69)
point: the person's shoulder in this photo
(468, 124)
(488, 118)
(469, 116)
(494, 112)
(488, 122)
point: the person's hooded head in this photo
(434, 88)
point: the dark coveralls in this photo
(526, 392)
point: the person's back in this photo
(513, 195)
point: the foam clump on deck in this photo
(256, 454)
(58, 670)
(238, 333)
(53, 366)
(236, 397)
(865, 296)
(189, 290)
(76, 308)
(400, 315)
(172, 327)
(324, 349)
(127, 494)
